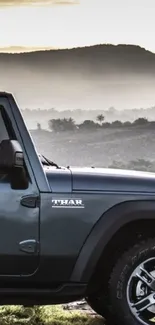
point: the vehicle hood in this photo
(59, 179)
(100, 179)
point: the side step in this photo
(35, 296)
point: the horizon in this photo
(110, 114)
(21, 49)
(72, 24)
(73, 110)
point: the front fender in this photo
(110, 222)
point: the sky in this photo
(69, 23)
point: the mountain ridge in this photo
(50, 49)
(92, 77)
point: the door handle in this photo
(30, 201)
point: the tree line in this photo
(68, 124)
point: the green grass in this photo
(49, 315)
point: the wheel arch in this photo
(110, 223)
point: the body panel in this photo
(113, 180)
(63, 232)
(111, 221)
(17, 223)
(59, 180)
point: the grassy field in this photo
(100, 149)
(48, 315)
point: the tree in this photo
(88, 125)
(127, 124)
(100, 118)
(60, 125)
(116, 124)
(141, 121)
(106, 125)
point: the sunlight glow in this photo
(90, 22)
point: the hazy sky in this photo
(59, 23)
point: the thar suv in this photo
(69, 233)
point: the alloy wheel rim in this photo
(141, 292)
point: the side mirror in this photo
(12, 161)
(11, 154)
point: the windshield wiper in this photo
(48, 162)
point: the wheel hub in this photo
(141, 292)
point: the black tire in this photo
(126, 288)
(98, 304)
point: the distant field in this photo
(99, 148)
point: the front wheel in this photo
(131, 293)
(98, 304)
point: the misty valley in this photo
(116, 82)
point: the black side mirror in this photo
(11, 154)
(12, 162)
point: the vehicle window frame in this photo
(11, 136)
(7, 123)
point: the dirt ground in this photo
(80, 306)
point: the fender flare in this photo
(109, 223)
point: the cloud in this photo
(65, 2)
(5, 3)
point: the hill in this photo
(94, 77)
